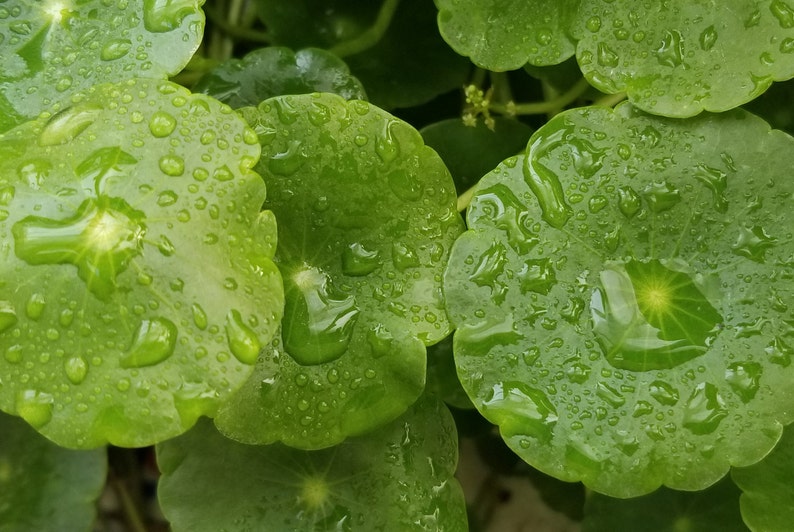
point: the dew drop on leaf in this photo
(115, 49)
(154, 342)
(704, 410)
(162, 124)
(743, 378)
(357, 260)
(8, 316)
(199, 316)
(160, 16)
(68, 124)
(34, 307)
(242, 341)
(34, 407)
(76, 369)
(520, 409)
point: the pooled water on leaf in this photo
(743, 377)
(520, 409)
(160, 16)
(153, 343)
(66, 125)
(357, 260)
(704, 410)
(243, 341)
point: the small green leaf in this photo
(683, 57)
(366, 216)
(52, 49)
(44, 487)
(273, 71)
(715, 508)
(623, 300)
(767, 489)
(506, 35)
(399, 477)
(124, 314)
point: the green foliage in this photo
(294, 265)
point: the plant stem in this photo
(130, 509)
(465, 198)
(610, 100)
(372, 35)
(538, 108)
(235, 31)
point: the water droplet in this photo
(593, 24)
(403, 256)
(318, 322)
(319, 114)
(705, 409)
(743, 378)
(165, 246)
(34, 407)
(479, 338)
(167, 198)
(717, 181)
(380, 340)
(357, 260)
(647, 316)
(606, 57)
(405, 184)
(153, 343)
(172, 165)
(500, 206)
(489, 267)
(671, 51)
(8, 316)
(779, 352)
(386, 146)
(520, 409)
(199, 316)
(787, 46)
(610, 395)
(544, 183)
(160, 16)
(664, 393)
(537, 275)
(661, 196)
(753, 242)
(707, 38)
(34, 307)
(289, 161)
(162, 124)
(76, 369)
(66, 125)
(629, 201)
(115, 49)
(783, 13)
(243, 341)
(578, 372)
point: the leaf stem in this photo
(465, 198)
(538, 108)
(130, 508)
(233, 30)
(371, 36)
(610, 100)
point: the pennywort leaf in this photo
(622, 298)
(43, 486)
(136, 282)
(366, 217)
(683, 57)
(399, 477)
(51, 49)
(273, 71)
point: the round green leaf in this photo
(623, 298)
(666, 510)
(366, 217)
(397, 478)
(767, 487)
(410, 46)
(52, 49)
(136, 281)
(471, 152)
(681, 57)
(44, 487)
(506, 35)
(274, 71)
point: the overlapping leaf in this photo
(52, 49)
(274, 71)
(366, 217)
(397, 478)
(681, 57)
(767, 488)
(623, 298)
(136, 285)
(44, 487)
(411, 50)
(506, 35)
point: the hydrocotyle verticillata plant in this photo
(620, 293)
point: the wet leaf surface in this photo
(623, 299)
(136, 281)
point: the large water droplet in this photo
(357, 260)
(76, 369)
(743, 378)
(318, 322)
(34, 407)
(153, 343)
(705, 409)
(783, 13)
(610, 395)
(753, 242)
(661, 196)
(543, 182)
(34, 307)
(717, 181)
(243, 341)
(404, 256)
(494, 330)
(607, 57)
(380, 340)
(405, 184)
(520, 409)
(707, 38)
(8, 315)
(629, 201)
(162, 124)
(671, 51)
(386, 146)
(289, 161)
(500, 207)
(66, 125)
(115, 49)
(664, 393)
(648, 316)
(160, 16)
(100, 239)
(199, 316)
(172, 165)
